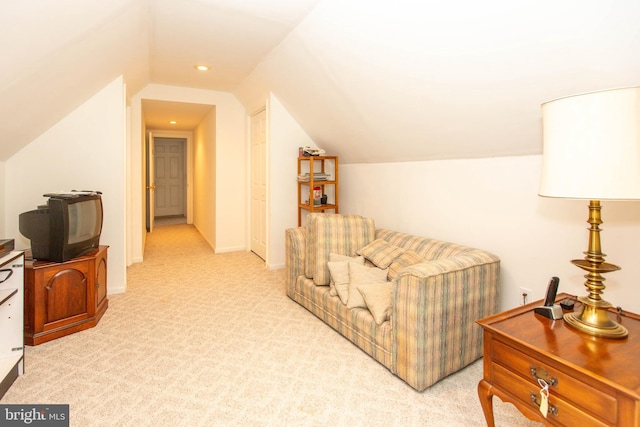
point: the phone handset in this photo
(552, 291)
(550, 309)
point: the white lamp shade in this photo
(591, 147)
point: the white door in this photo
(259, 184)
(151, 188)
(169, 176)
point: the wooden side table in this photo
(592, 381)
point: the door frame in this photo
(181, 144)
(150, 187)
(265, 169)
(188, 136)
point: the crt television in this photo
(68, 226)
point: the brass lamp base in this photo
(594, 319)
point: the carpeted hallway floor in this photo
(204, 339)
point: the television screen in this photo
(84, 220)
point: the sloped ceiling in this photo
(374, 81)
(406, 80)
(55, 55)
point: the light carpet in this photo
(204, 339)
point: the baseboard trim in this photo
(229, 249)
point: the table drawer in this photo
(560, 384)
(560, 411)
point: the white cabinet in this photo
(11, 319)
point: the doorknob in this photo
(151, 187)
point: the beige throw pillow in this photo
(360, 275)
(339, 271)
(381, 253)
(378, 298)
(408, 258)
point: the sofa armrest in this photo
(295, 250)
(435, 306)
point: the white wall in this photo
(136, 226)
(493, 204)
(204, 172)
(285, 136)
(231, 177)
(84, 151)
(3, 209)
(230, 180)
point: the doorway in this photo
(170, 177)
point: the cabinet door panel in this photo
(101, 280)
(66, 295)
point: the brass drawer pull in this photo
(553, 409)
(544, 375)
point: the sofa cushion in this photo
(361, 275)
(377, 297)
(427, 248)
(339, 269)
(407, 258)
(333, 233)
(356, 324)
(381, 253)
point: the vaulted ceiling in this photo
(373, 81)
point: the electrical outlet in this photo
(525, 296)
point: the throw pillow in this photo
(339, 271)
(378, 297)
(337, 233)
(381, 253)
(359, 275)
(408, 258)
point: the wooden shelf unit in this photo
(305, 188)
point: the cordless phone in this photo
(550, 309)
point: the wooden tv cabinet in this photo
(64, 298)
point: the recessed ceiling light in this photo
(173, 122)
(202, 67)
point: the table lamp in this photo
(591, 151)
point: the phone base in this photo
(552, 312)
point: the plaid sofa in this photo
(431, 331)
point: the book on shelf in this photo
(317, 176)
